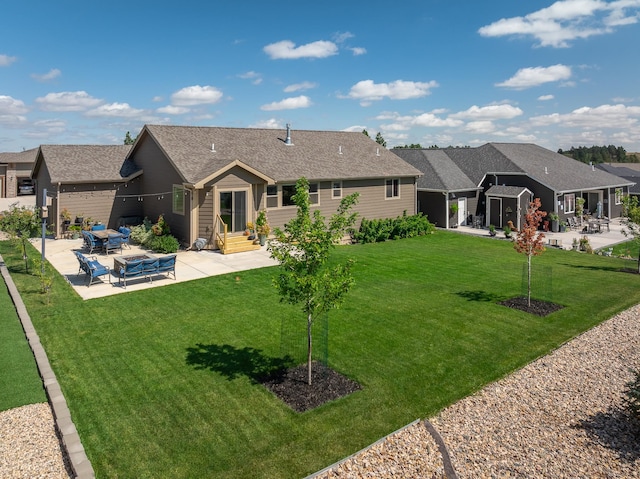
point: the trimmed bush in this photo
(374, 231)
(163, 244)
(632, 393)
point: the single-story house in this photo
(15, 171)
(557, 180)
(628, 171)
(200, 178)
(89, 181)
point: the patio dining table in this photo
(103, 235)
(595, 225)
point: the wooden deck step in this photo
(239, 244)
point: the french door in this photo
(233, 210)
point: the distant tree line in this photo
(600, 154)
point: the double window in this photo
(392, 189)
(285, 194)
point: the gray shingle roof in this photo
(86, 163)
(505, 191)
(439, 172)
(314, 154)
(27, 156)
(625, 172)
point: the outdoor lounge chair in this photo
(91, 267)
(114, 242)
(167, 264)
(90, 241)
(150, 267)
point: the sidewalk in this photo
(189, 265)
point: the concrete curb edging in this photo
(78, 459)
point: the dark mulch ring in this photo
(290, 386)
(540, 308)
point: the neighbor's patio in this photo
(189, 265)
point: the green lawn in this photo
(20, 383)
(161, 382)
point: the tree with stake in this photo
(302, 249)
(529, 241)
(22, 223)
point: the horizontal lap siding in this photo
(205, 215)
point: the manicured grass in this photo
(161, 382)
(20, 383)
(628, 248)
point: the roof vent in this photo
(340, 150)
(213, 147)
(377, 151)
(288, 139)
(546, 172)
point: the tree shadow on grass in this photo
(613, 269)
(233, 362)
(615, 430)
(480, 295)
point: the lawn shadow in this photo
(480, 295)
(614, 269)
(233, 362)
(615, 430)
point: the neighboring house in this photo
(628, 171)
(89, 181)
(550, 176)
(15, 172)
(200, 178)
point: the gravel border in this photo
(560, 416)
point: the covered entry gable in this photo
(507, 203)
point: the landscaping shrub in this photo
(373, 231)
(163, 244)
(632, 393)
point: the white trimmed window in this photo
(314, 193)
(178, 199)
(336, 189)
(618, 196)
(287, 195)
(570, 203)
(392, 189)
(272, 196)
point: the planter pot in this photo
(554, 226)
(263, 239)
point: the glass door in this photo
(233, 210)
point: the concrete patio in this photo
(190, 265)
(597, 241)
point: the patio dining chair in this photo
(91, 242)
(114, 242)
(125, 232)
(91, 267)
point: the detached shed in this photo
(507, 203)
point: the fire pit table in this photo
(120, 262)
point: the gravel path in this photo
(29, 447)
(559, 417)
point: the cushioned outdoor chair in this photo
(91, 242)
(92, 267)
(113, 243)
(125, 232)
(98, 228)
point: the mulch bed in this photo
(290, 386)
(539, 308)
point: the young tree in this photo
(631, 220)
(529, 241)
(302, 249)
(380, 140)
(128, 140)
(21, 223)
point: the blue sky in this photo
(445, 72)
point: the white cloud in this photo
(157, 99)
(255, 78)
(68, 101)
(11, 106)
(271, 124)
(357, 51)
(546, 97)
(173, 110)
(196, 95)
(490, 112)
(342, 37)
(356, 128)
(432, 120)
(367, 90)
(288, 104)
(567, 20)
(604, 116)
(50, 75)
(534, 76)
(6, 60)
(306, 85)
(482, 126)
(115, 110)
(287, 50)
